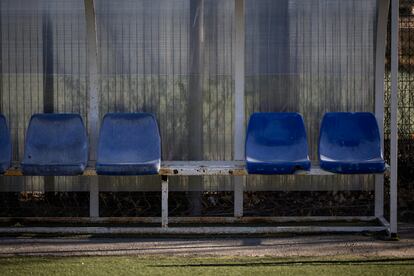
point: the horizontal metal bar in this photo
(188, 168)
(189, 230)
(203, 168)
(186, 219)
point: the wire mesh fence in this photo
(405, 110)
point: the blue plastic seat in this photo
(56, 144)
(276, 144)
(350, 143)
(129, 144)
(5, 145)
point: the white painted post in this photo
(93, 97)
(381, 41)
(195, 99)
(93, 100)
(394, 116)
(238, 195)
(94, 197)
(164, 201)
(239, 129)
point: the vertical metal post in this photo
(239, 77)
(238, 195)
(195, 98)
(47, 38)
(381, 41)
(93, 99)
(48, 82)
(94, 197)
(164, 201)
(394, 116)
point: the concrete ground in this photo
(284, 246)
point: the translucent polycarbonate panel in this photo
(175, 58)
(43, 61)
(172, 58)
(42, 69)
(311, 57)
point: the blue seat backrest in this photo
(277, 137)
(350, 137)
(129, 138)
(56, 139)
(5, 145)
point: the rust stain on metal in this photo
(13, 172)
(89, 172)
(202, 170)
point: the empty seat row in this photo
(130, 144)
(349, 143)
(57, 144)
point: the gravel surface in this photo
(285, 246)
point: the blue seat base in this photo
(276, 144)
(350, 143)
(127, 169)
(277, 167)
(50, 170)
(373, 166)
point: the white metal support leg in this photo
(93, 95)
(394, 116)
(239, 105)
(379, 196)
(238, 196)
(164, 201)
(93, 100)
(94, 197)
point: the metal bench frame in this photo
(235, 168)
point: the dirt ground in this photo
(282, 246)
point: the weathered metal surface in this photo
(90, 172)
(239, 101)
(15, 171)
(198, 168)
(149, 220)
(164, 201)
(203, 168)
(190, 230)
(249, 228)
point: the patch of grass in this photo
(165, 265)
